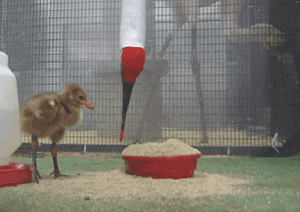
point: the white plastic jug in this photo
(10, 126)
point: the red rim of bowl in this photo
(163, 157)
(14, 166)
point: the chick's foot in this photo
(57, 174)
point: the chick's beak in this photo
(89, 105)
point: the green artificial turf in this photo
(276, 179)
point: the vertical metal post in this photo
(150, 29)
(3, 23)
(150, 128)
(196, 72)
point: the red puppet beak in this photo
(133, 62)
(89, 105)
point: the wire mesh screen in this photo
(207, 80)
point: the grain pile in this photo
(117, 184)
(169, 148)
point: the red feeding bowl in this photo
(161, 167)
(15, 174)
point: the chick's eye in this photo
(80, 97)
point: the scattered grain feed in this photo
(117, 184)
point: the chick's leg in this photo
(56, 171)
(35, 146)
(55, 137)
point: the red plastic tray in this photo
(161, 167)
(15, 174)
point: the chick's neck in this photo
(66, 108)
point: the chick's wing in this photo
(41, 107)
